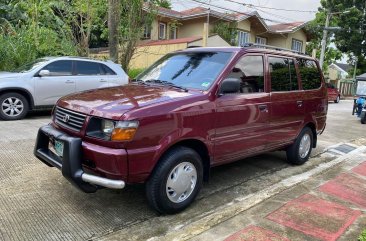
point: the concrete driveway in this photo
(37, 203)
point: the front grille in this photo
(69, 119)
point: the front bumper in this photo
(70, 163)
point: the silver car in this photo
(40, 84)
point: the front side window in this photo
(197, 70)
(310, 74)
(283, 74)
(162, 31)
(296, 45)
(87, 68)
(243, 38)
(249, 70)
(59, 68)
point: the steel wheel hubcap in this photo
(181, 182)
(305, 145)
(12, 106)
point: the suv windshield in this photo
(197, 70)
(30, 66)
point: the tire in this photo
(13, 106)
(337, 99)
(298, 153)
(363, 117)
(167, 195)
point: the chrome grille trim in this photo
(75, 120)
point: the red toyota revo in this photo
(191, 110)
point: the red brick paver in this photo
(316, 217)
(361, 169)
(253, 233)
(347, 187)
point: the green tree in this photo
(226, 30)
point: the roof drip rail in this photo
(263, 46)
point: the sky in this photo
(277, 16)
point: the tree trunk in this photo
(113, 24)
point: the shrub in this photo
(132, 73)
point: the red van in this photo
(191, 110)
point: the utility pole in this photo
(324, 40)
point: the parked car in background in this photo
(40, 84)
(190, 111)
(333, 93)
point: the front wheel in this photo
(298, 153)
(13, 106)
(176, 181)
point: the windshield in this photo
(196, 70)
(30, 66)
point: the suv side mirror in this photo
(230, 85)
(44, 72)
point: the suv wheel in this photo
(298, 153)
(363, 117)
(13, 106)
(337, 100)
(176, 181)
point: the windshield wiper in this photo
(138, 81)
(167, 83)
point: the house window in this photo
(162, 31)
(243, 38)
(173, 33)
(296, 45)
(147, 32)
(260, 40)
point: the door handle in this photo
(299, 103)
(263, 108)
(69, 82)
(103, 81)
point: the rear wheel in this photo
(298, 153)
(13, 106)
(363, 117)
(176, 181)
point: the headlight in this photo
(112, 130)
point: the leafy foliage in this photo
(227, 31)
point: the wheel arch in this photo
(312, 126)
(199, 147)
(21, 91)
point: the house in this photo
(173, 30)
(338, 71)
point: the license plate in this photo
(59, 148)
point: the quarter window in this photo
(249, 70)
(107, 70)
(283, 74)
(60, 68)
(310, 74)
(87, 68)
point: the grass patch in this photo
(132, 73)
(362, 236)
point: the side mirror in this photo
(44, 72)
(230, 85)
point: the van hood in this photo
(113, 102)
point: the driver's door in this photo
(242, 119)
(59, 82)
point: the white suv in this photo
(40, 84)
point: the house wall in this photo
(244, 25)
(213, 41)
(299, 35)
(147, 55)
(192, 27)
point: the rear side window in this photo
(249, 70)
(310, 74)
(59, 68)
(87, 68)
(283, 74)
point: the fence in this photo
(347, 87)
